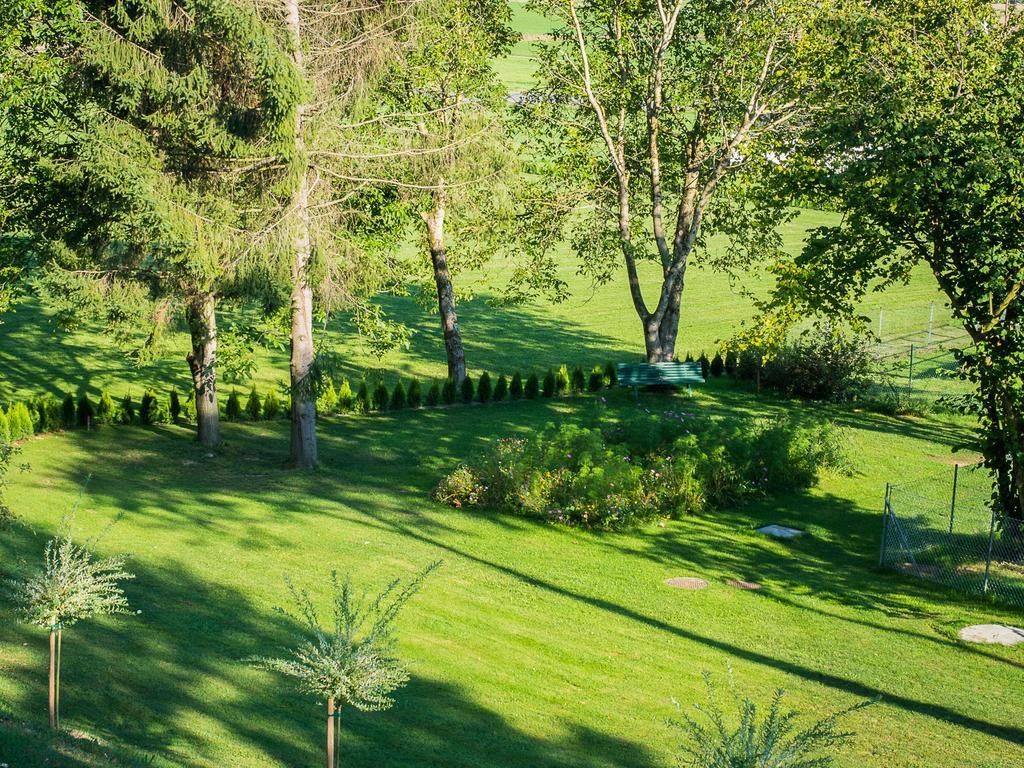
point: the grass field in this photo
(534, 645)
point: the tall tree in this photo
(658, 114)
(917, 138)
(144, 168)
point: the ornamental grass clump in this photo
(74, 584)
(353, 662)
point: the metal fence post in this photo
(988, 559)
(910, 381)
(931, 319)
(880, 310)
(952, 506)
(886, 511)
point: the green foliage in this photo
(233, 409)
(515, 390)
(152, 409)
(126, 411)
(467, 389)
(821, 366)
(756, 739)
(362, 404)
(500, 389)
(175, 407)
(398, 397)
(434, 395)
(579, 381)
(380, 397)
(85, 413)
(448, 393)
(532, 389)
(689, 358)
(717, 367)
(354, 660)
(54, 411)
(415, 394)
(562, 381)
(483, 389)
(19, 421)
(548, 387)
(5, 429)
(327, 399)
(253, 405)
(188, 409)
(346, 400)
(68, 411)
(596, 381)
(620, 473)
(611, 374)
(271, 405)
(730, 362)
(705, 365)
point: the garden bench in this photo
(638, 375)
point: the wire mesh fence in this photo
(943, 528)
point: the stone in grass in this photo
(686, 582)
(741, 584)
(780, 531)
(993, 634)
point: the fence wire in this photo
(943, 528)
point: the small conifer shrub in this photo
(500, 390)
(611, 374)
(467, 389)
(717, 365)
(85, 414)
(689, 357)
(271, 405)
(126, 411)
(515, 389)
(152, 410)
(5, 429)
(596, 381)
(54, 413)
(483, 387)
(233, 410)
(327, 400)
(19, 422)
(705, 364)
(253, 405)
(532, 388)
(175, 402)
(398, 397)
(415, 396)
(362, 402)
(448, 391)
(434, 395)
(69, 411)
(346, 400)
(380, 397)
(548, 390)
(562, 380)
(730, 362)
(579, 380)
(36, 414)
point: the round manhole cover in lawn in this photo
(686, 582)
(741, 584)
(992, 633)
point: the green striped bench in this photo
(638, 375)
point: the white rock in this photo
(780, 531)
(992, 633)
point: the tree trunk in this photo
(303, 452)
(330, 733)
(53, 680)
(202, 362)
(453, 348)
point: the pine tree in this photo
(362, 404)
(483, 388)
(611, 374)
(327, 402)
(253, 406)
(126, 411)
(175, 406)
(69, 414)
(549, 384)
(500, 390)
(398, 398)
(717, 365)
(233, 411)
(380, 397)
(85, 414)
(562, 381)
(271, 405)
(730, 362)
(467, 389)
(579, 380)
(532, 389)
(448, 392)
(19, 421)
(689, 357)
(515, 389)
(346, 400)
(705, 365)
(54, 412)
(152, 410)
(5, 429)
(596, 381)
(415, 395)
(434, 395)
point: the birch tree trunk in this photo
(200, 313)
(453, 347)
(303, 454)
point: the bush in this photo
(434, 395)
(85, 414)
(175, 406)
(448, 391)
(415, 396)
(730, 362)
(578, 382)
(689, 358)
(5, 429)
(483, 388)
(105, 409)
(548, 388)
(37, 413)
(327, 399)
(362, 403)
(188, 409)
(532, 388)
(19, 421)
(623, 472)
(821, 366)
(398, 398)
(233, 410)
(705, 365)
(346, 400)
(271, 405)
(152, 411)
(380, 397)
(69, 411)
(562, 381)
(717, 367)
(467, 389)
(500, 390)
(515, 390)
(596, 381)
(253, 405)
(611, 374)
(126, 411)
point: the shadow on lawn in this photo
(139, 679)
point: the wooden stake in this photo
(330, 733)
(53, 679)
(56, 686)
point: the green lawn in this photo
(534, 645)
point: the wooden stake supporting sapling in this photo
(352, 663)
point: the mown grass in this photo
(533, 645)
